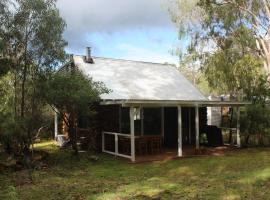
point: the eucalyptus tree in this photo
(4, 15)
(32, 45)
(228, 38)
(246, 20)
(188, 18)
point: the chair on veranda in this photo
(124, 145)
(155, 144)
(142, 146)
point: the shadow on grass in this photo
(244, 174)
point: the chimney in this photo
(88, 57)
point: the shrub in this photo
(255, 121)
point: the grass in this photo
(242, 174)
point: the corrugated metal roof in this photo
(139, 80)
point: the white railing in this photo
(116, 142)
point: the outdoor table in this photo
(148, 144)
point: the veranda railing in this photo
(116, 144)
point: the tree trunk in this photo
(261, 142)
(73, 133)
(27, 161)
(23, 91)
(24, 74)
(73, 139)
(247, 140)
(15, 95)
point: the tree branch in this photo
(266, 8)
(246, 10)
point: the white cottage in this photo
(151, 106)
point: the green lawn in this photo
(242, 174)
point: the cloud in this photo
(112, 15)
(84, 17)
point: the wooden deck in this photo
(188, 151)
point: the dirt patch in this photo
(188, 151)
(215, 151)
(22, 177)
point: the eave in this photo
(173, 103)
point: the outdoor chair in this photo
(124, 145)
(155, 144)
(142, 146)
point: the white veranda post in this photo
(180, 151)
(142, 125)
(132, 135)
(55, 124)
(238, 138)
(197, 127)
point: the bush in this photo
(255, 122)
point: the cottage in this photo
(151, 106)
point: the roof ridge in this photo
(139, 61)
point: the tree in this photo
(71, 94)
(223, 37)
(231, 41)
(31, 46)
(255, 121)
(190, 67)
(226, 16)
(234, 73)
(188, 18)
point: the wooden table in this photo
(145, 144)
(148, 144)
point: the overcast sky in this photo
(129, 29)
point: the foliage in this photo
(72, 94)
(11, 193)
(223, 37)
(188, 17)
(234, 74)
(229, 39)
(190, 67)
(235, 65)
(255, 121)
(246, 21)
(197, 77)
(31, 46)
(239, 63)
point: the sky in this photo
(126, 29)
